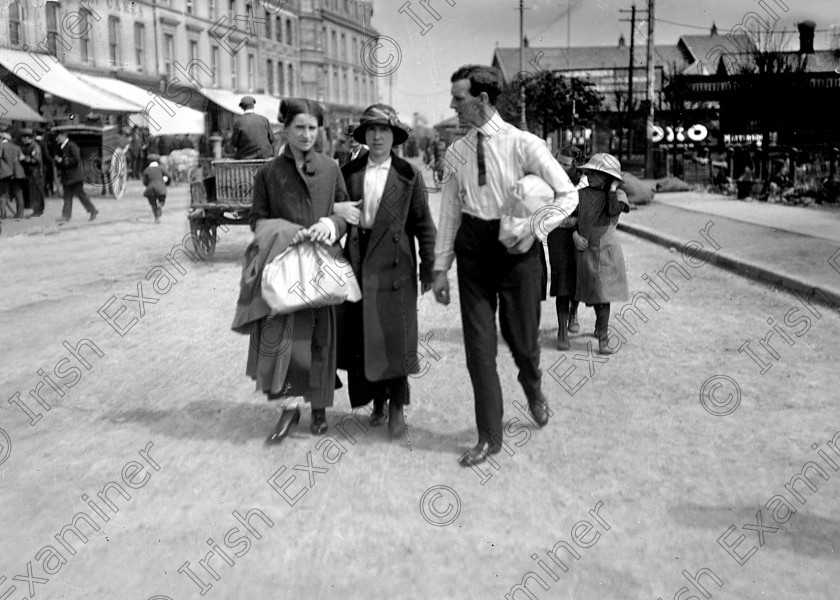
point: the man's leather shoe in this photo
(377, 417)
(539, 410)
(288, 418)
(396, 420)
(574, 326)
(479, 453)
(93, 214)
(62, 220)
(319, 421)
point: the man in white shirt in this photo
(481, 168)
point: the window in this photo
(278, 29)
(252, 76)
(345, 93)
(269, 75)
(52, 27)
(189, 7)
(215, 64)
(14, 23)
(357, 97)
(114, 40)
(355, 49)
(281, 80)
(291, 80)
(84, 42)
(290, 40)
(334, 92)
(211, 9)
(140, 46)
(233, 70)
(325, 41)
(343, 47)
(168, 54)
(334, 37)
(267, 25)
(193, 58)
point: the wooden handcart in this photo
(103, 160)
(221, 192)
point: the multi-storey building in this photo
(335, 37)
(171, 49)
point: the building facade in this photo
(281, 48)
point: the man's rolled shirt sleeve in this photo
(450, 221)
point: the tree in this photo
(549, 98)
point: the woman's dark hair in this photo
(482, 79)
(292, 107)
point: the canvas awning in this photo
(44, 73)
(12, 108)
(185, 121)
(267, 106)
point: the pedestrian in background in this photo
(12, 178)
(388, 217)
(69, 161)
(561, 257)
(156, 178)
(252, 136)
(601, 275)
(488, 275)
(48, 165)
(33, 165)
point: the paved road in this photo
(158, 403)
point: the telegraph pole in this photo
(629, 107)
(523, 122)
(651, 83)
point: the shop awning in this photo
(42, 72)
(267, 106)
(12, 108)
(185, 121)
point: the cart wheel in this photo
(204, 237)
(118, 174)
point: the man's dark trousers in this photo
(488, 275)
(77, 190)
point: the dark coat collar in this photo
(402, 167)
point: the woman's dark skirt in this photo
(561, 257)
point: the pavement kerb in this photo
(731, 263)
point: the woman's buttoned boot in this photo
(563, 342)
(319, 421)
(396, 419)
(377, 417)
(574, 326)
(602, 324)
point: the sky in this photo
(469, 32)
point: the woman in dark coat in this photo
(601, 276)
(561, 256)
(389, 218)
(294, 356)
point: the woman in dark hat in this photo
(292, 356)
(601, 276)
(389, 220)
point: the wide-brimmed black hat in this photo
(381, 114)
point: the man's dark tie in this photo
(482, 168)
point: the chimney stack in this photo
(806, 37)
